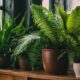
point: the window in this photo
(1, 4)
(60, 3)
(45, 4)
(49, 4)
(71, 4)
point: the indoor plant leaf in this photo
(23, 44)
(63, 15)
(47, 22)
(73, 22)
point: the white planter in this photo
(76, 68)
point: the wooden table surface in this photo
(34, 75)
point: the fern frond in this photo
(63, 15)
(24, 43)
(20, 29)
(47, 22)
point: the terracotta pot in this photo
(76, 68)
(23, 65)
(2, 61)
(51, 64)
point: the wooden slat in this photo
(35, 75)
(6, 77)
(49, 77)
(19, 78)
(13, 73)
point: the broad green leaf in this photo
(73, 22)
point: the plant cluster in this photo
(9, 35)
(50, 34)
(72, 23)
(60, 31)
(54, 28)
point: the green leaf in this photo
(20, 29)
(73, 22)
(47, 22)
(63, 15)
(23, 44)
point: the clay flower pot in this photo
(2, 61)
(76, 68)
(52, 65)
(23, 65)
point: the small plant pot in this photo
(52, 65)
(2, 61)
(23, 65)
(76, 68)
(49, 61)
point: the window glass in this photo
(60, 3)
(49, 4)
(71, 4)
(45, 3)
(1, 4)
(0, 18)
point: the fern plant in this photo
(48, 23)
(63, 15)
(30, 46)
(72, 23)
(54, 30)
(23, 44)
(9, 34)
(53, 27)
(63, 31)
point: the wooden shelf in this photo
(29, 75)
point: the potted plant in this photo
(23, 62)
(5, 40)
(72, 26)
(9, 35)
(52, 27)
(27, 46)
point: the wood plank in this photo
(6, 77)
(14, 73)
(35, 75)
(41, 76)
(19, 78)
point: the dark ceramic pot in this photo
(52, 65)
(23, 65)
(2, 61)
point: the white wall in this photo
(75, 3)
(45, 3)
(72, 4)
